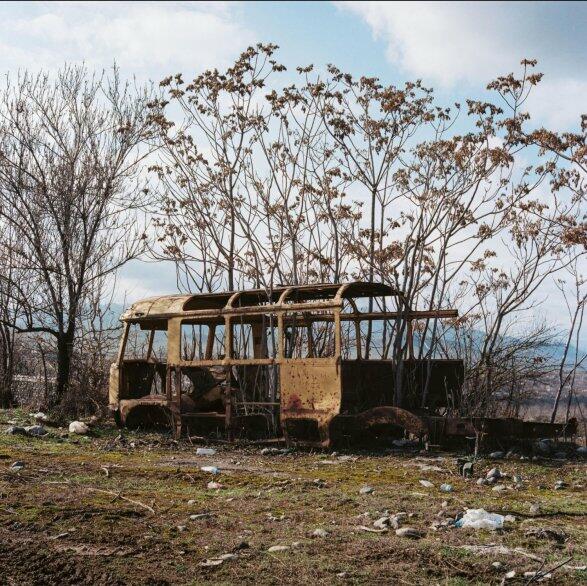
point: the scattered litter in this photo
(79, 428)
(496, 455)
(480, 519)
(426, 484)
(366, 490)
(497, 565)
(482, 481)
(510, 575)
(499, 488)
(446, 487)
(205, 452)
(320, 533)
(213, 485)
(210, 469)
(17, 466)
(560, 484)
(40, 416)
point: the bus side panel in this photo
(310, 398)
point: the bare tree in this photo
(70, 189)
(202, 166)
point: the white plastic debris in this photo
(426, 483)
(446, 487)
(480, 519)
(78, 427)
(210, 469)
(205, 452)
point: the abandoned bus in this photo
(313, 362)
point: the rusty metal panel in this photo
(310, 389)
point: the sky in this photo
(457, 48)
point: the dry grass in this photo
(56, 528)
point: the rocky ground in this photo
(143, 509)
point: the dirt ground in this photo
(137, 509)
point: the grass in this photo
(57, 504)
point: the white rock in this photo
(205, 452)
(213, 485)
(366, 490)
(510, 575)
(36, 430)
(78, 427)
(320, 533)
(426, 484)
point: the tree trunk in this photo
(64, 354)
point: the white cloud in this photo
(145, 39)
(450, 43)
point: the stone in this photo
(499, 488)
(409, 532)
(496, 455)
(366, 490)
(382, 523)
(467, 470)
(322, 533)
(493, 473)
(205, 452)
(278, 548)
(510, 575)
(15, 430)
(36, 430)
(213, 485)
(426, 484)
(497, 565)
(446, 487)
(481, 481)
(534, 508)
(181, 528)
(79, 428)
(191, 502)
